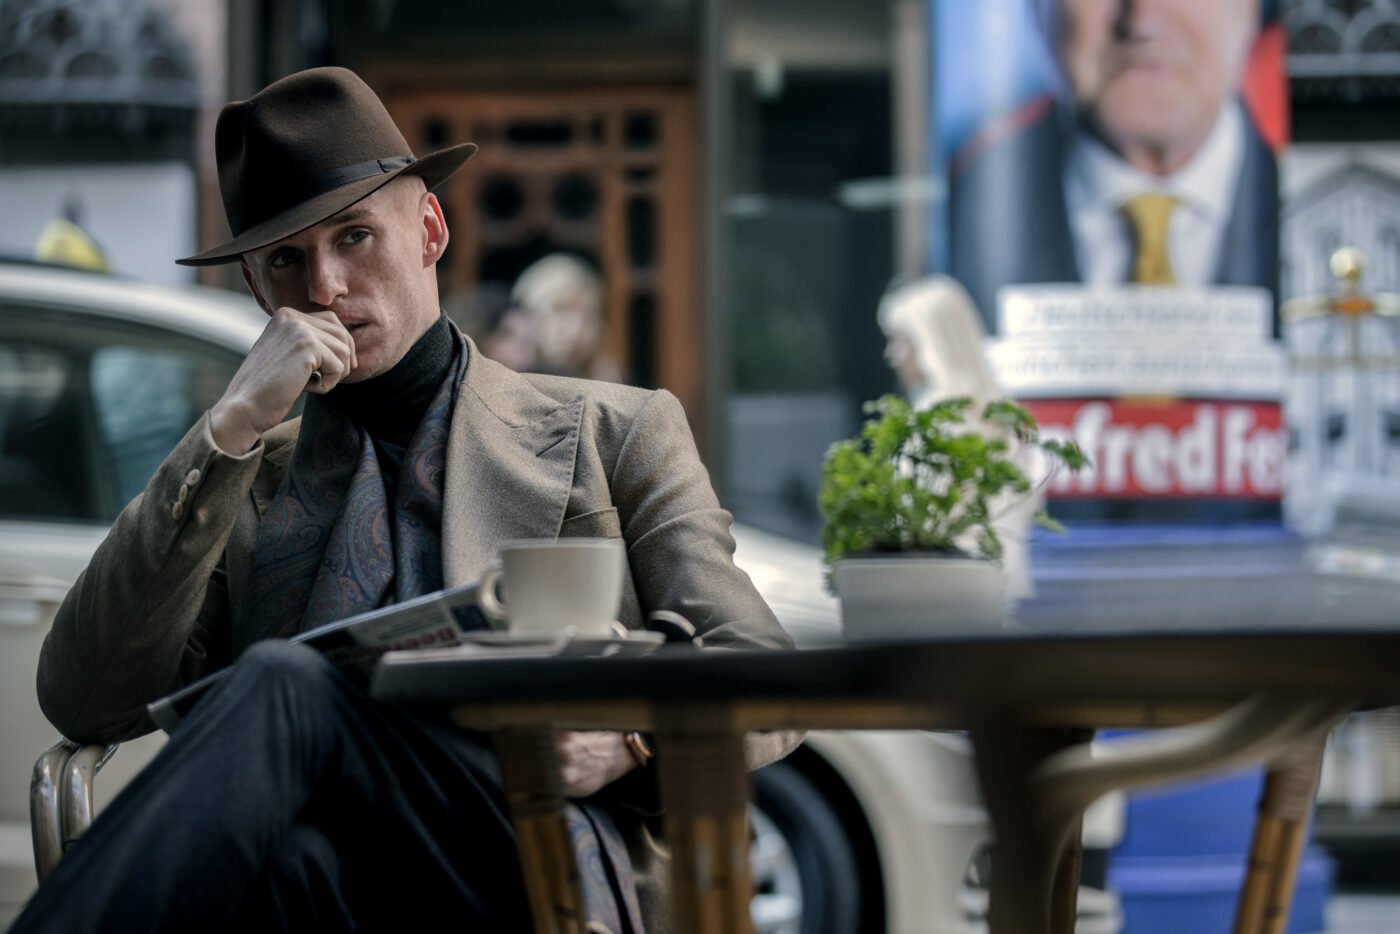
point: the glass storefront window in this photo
(809, 250)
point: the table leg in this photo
(536, 798)
(1035, 874)
(704, 785)
(1279, 834)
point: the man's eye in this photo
(281, 260)
(355, 236)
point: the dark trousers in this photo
(288, 800)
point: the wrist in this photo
(231, 429)
(638, 748)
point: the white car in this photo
(98, 380)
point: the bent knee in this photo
(297, 681)
(282, 661)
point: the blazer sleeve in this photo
(680, 547)
(150, 612)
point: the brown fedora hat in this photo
(303, 148)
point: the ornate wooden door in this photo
(608, 174)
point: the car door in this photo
(89, 406)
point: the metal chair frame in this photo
(60, 799)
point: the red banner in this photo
(1168, 449)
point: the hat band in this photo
(353, 173)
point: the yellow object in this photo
(1149, 213)
(64, 243)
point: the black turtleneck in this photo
(390, 406)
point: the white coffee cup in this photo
(545, 587)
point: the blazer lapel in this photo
(510, 466)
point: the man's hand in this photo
(276, 371)
(590, 760)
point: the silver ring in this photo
(316, 377)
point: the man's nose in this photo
(326, 280)
(1140, 20)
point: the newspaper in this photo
(435, 620)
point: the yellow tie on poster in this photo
(1149, 213)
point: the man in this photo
(1149, 170)
(287, 799)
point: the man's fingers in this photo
(589, 759)
(327, 326)
(328, 347)
(329, 369)
(325, 320)
(332, 326)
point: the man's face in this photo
(371, 265)
(1154, 72)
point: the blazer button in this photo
(192, 478)
(177, 511)
(184, 494)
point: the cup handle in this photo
(489, 599)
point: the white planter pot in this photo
(919, 596)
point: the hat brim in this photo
(434, 168)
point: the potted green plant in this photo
(911, 504)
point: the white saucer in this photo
(567, 643)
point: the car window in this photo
(89, 407)
(34, 405)
(142, 403)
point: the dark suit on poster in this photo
(1009, 222)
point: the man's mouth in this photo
(1145, 57)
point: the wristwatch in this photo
(638, 747)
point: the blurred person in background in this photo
(502, 328)
(565, 295)
(934, 345)
(1148, 169)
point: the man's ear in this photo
(253, 286)
(434, 230)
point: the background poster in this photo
(1113, 211)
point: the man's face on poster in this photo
(1153, 73)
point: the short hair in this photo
(939, 319)
(555, 278)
